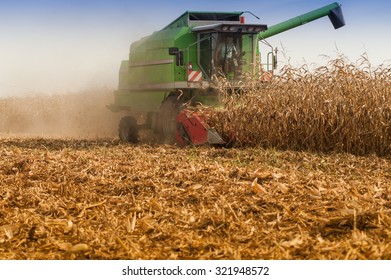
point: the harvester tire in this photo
(128, 129)
(167, 119)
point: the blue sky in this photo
(66, 46)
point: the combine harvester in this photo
(177, 66)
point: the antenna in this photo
(251, 14)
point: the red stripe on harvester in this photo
(195, 76)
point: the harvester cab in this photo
(226, 47)
(179, 66)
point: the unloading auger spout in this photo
(333, 11)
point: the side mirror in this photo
(173, 51)
(275, 59)
(274, 62)
(178, 55)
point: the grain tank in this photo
(178, 65)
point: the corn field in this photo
(343, 106)
(268, 196)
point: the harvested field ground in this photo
(99, 199)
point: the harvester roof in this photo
(192, 19)
(225, 27)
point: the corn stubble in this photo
(342, 107)
(95, 199)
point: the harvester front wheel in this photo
(128, 129)
(167, 119)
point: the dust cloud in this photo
(74, 115)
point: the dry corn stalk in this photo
(339, 107)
